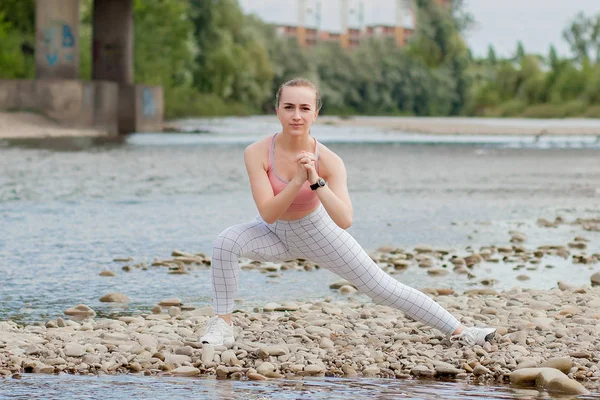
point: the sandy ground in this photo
(32, 125)
(472, 126)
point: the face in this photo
(297, 109)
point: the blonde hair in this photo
(299, 82)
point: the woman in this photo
(299, 187)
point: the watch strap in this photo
(319, 183)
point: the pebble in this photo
(265, 368)
(186, 371)
(80, 311)
(115, 298)
(553, 332)
(348, 289)
(314, 369)
(174, 311)
(74, 350)
(156, 310)
(253, 376)
(208, 353)
(170, 302)
(595, 279)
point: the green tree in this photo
(491, 56)
(570, 83)
(592, 89)
(20, 15)
(336, 70)
(531, 80)
(438, 44)
(582, 35)
(232, 61)
(17, 33)
(553, 60)
(164, 48)
(464, 20)
(14, 62)
(520, 53)
(506, 81)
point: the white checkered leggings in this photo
(316, 238)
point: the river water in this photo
(69, 207)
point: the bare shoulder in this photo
(328, 158)
(259, 150)
(259, 145)
(330, 164)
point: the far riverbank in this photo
(23, 125)
(472, 126)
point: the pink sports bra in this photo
(306, 199)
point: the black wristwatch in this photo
(319, 183)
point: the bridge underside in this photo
(111, 100)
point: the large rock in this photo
(186, 371)
(563, 364)
(546, 375)
(114, 298)
(566, 386)
(549, 379)
(80, 311)
(595, 279)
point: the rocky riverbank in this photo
(517, 258)
(549, 339)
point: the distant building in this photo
(401, 33)
(308, 37)
(330, 36)
(354, 36)
(305, 36)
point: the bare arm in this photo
(269, 206)
(334, 197)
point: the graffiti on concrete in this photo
(58, 43)
(148, 105)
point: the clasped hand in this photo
(306, 167)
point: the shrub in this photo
(511, 108)
(574, 108)
(593, 112)
(544, 111)
(186, 102)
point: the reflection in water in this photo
(139, 387)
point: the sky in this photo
(501, 23)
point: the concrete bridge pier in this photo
(111, 100)
(112, 54)
(112, 48)
(57, 39)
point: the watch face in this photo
(321, 182)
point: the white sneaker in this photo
(474, 335)
(218, 333)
